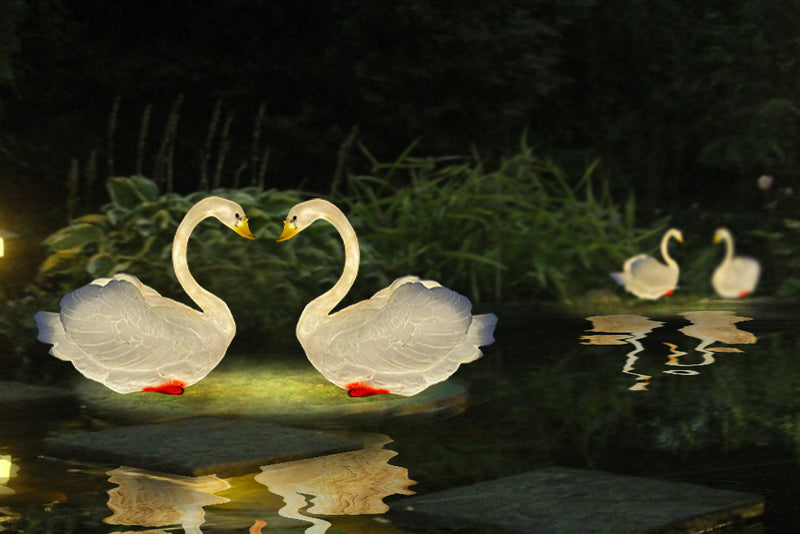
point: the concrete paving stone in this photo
(565, 501)
(197, 446)
(19, 400)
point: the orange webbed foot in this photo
(173, 387)
(359, 389)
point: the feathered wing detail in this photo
(124, 334)
(408, 336)
(646, 277)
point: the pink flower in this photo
(765, 181)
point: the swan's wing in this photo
(737, 278)
(411, 334)
(388, 291)
(149, 294)
(112, 329)
(650, 272)
(624, 278)
(747, 270)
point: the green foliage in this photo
(523, 230)
(260, 281)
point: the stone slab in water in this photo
(285, 392)
(18, 400)
(197, 446)
(564, 501)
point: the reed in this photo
(163, 165)
(224, 147)
(141, 144)
(110, 134)
(518, 231)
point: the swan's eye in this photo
(237, 216)
(294, 219)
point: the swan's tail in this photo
(618, 278)
(480, 333)
(50, 330)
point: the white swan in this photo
(405, 338)
(125, 335)
(648, 278)
(736, 276)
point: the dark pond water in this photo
(705, 393)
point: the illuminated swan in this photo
(125, 335)
(648, 278)
(405, 338)
(736, 276)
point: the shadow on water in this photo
(707, 396)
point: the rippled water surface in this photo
(698, 394)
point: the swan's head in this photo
(720, 235)
(231, 215)
(300, 217)
(674, 232)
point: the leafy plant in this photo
(523, 230)
(259, 280)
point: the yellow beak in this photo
(289, 231)
(243, 229)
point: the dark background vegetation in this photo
(686, 102)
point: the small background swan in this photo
(124, 334)
(405, 338)
(648, 278)
(736, 276)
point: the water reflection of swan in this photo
(712, 326)
(707, 326)
(149, 499)
(349, 483)
(125, 335)
(634, 328)
(736, 276)
(405, 338)
(648, 278)
(7, 470)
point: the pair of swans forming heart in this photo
(124, 334)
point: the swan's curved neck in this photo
(207, 301)
(352, 257)
(665, 249)
(728, 248)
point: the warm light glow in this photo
(633, 329)
(349, 483)
(707, 326)
(7, 470)
(2, 248)
(149, 499)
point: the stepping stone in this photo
(564, 501)
(284, 392)
(197, 446)
(18, 400)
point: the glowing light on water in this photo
(708, 326)
(712, 326)
(7, 470)
(634, 329)
(2, 247)
(149, 499)
(349, 483)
